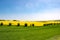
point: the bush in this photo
(10, 24)
(45, 24)
(48, 24)
(25, 24)
(1, 24)
(32, 24)
(18, 24)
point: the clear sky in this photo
(32, 10)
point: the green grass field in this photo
(51, 32)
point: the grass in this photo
(28, 33)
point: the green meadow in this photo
(51, 32)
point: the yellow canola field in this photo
(29, 23)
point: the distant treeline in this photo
(8, 20)
(51, 24)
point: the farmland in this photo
(28, 23)
(30, 33)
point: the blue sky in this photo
(34, 10)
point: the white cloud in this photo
(29, 5)
(37, 3)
